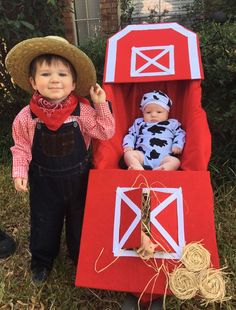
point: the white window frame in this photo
(87, 19)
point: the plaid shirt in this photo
(95, 123)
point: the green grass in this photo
(59, 293)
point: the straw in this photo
(212, 286)
(195, 257)
(183, 283)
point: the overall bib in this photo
(58, 176)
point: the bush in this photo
(219, 92)
(23, 19)
(95, 49)
(19, 20)
(214, 21)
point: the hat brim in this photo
(21, 55)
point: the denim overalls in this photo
(58, 177)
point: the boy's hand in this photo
(97, 94)
(21, 184)
(176, 150)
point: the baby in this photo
(153, 140)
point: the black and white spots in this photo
(157, 142)
(153, 155)
(156, 129)
(139, 148)
(157, 97)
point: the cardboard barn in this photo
(140, 59)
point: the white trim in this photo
(176, 195)
(194, 57)
(86, 19)
(152, 61)
(192, 47)
(117, 242)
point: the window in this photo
(87, 19)
(165, 9)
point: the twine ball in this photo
(195, 257)
(183, 283)
(212, 285)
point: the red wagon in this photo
(140, 59)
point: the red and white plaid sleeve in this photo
(97, 123)
(23, 132)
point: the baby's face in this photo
(155, 113)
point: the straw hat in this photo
(21, 55)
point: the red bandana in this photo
(51, 113)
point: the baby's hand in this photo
(97, 94)
(21, 184)
(127, 149)
(176, 150)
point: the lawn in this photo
(18, 292)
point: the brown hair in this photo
(49, 58)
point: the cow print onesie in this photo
(155, 140)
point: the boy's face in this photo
(154, 113)
(54, 81)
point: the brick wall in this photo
(109, 16)
(68, 20)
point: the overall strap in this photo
(76, 111)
